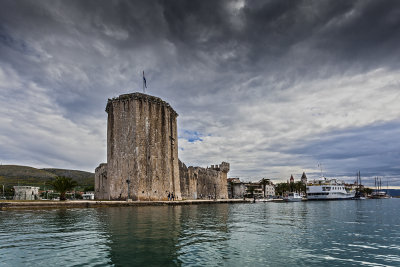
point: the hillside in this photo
(83, 178)
(11, 175)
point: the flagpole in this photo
(143, 82)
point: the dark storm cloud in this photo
(250, 79)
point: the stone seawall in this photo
(7, 205)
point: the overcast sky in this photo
(273, 87)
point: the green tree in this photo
(88, 188)
(63, 184)
(367, 191)
(281, 188)
(264, 182)
(299, 187)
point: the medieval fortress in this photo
(142, 155)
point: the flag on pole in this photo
(144, 81)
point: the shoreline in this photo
(44, 204)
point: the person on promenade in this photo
(169, 196)
(172, 196)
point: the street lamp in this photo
(215, 191)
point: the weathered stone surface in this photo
(101, 184)
(142, 152)
(236, 189)
(201, 183)
(26, 192)
(142, 148)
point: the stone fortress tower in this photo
(142, 155)
(142, 150)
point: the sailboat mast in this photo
(387, 187)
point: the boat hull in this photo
(330, 197)
(293, 200)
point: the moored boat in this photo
(292, 197)
(328, 189)
(379, 194)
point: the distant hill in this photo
(393, 192)
(11, 175)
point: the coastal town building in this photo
(262, 189)
(269, 190)
(236, 189)
(254, 190)
(142, 155)
(303, 178)
(26, 193)
(88, 195)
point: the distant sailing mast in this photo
(359, 193)
(378, 189)
(320, 166)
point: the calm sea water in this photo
(334, 233)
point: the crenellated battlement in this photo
(223, 167)
(141, 97)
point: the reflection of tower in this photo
(304, 178)
(142, 147)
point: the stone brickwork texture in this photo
(142, 155)
(101, 186)
(203, 183)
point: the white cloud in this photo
(35, 132)
(260, 130)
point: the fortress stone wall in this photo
(202, 183)
(142, 155)
(101, 185)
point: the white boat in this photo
(379, 194)
(264, 200)
(293, 197)
(328, 189)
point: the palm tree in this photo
(281, 188)
(63, 184)
(264, 182)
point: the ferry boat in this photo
(328, 189)
(292, 197)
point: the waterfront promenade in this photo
(44, 204)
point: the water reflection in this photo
(52, 237)
(166, 236)
(262, 234)
(143, 235)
